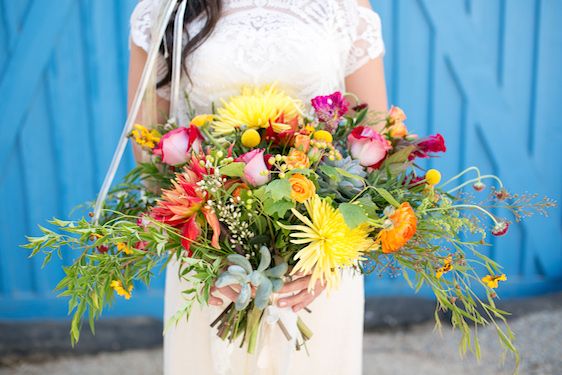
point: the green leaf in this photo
(279, 189)
(331, 172)
(353, 214)
(235, 169)
(387, 196)
(370, 208)
(352, 176)
(278, 208)
(361, 116)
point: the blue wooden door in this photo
(485, 73)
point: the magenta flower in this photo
(330, 109)
(427, 146)
(367, 146)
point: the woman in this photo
(309, 47)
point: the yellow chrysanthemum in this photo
(330, 243)
(118, 287)
(256, 108)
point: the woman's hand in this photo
(230, 292)
(303, 298)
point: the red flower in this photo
(427, 146)
(182, 205)
(500, 228)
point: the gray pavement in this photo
(416, 350)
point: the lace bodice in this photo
(307, 46)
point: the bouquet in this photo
(266, 188)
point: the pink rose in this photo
(367, 146)
(174, 147)
(256, 172)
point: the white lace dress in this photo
(308, 47)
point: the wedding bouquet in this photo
(267, 188)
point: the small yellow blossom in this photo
(121, 246)
(250, 138)
(118, 287)
(144, 137)
(323, 135)
(492, 280)
(201, 120)
(433, 177)
(447, 266)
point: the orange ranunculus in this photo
(301, 188)
(297, 159)
(302, 142)
(401, 230)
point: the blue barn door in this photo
(63, 70)
(485, 73)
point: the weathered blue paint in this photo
(484, 73)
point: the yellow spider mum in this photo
(330, 243)
(256, 108)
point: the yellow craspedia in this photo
(250, 138)
(201, 120)
(433, 177)
(323, 135)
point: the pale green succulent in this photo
(340, 184)
(265, 280)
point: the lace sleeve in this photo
(141, 35)
(368, 44)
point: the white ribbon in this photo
(166, 10)
(276, 351)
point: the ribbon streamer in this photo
(160, 25)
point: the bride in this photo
(309, 48)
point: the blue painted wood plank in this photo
(40, 30)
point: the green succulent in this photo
(265, 280)
(340, 184)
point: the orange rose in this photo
(398, 130)
(301, 188)
(297, 159)
(302, 142)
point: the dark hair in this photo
(210, 10)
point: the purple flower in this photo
(330, 109)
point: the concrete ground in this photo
(415, 350)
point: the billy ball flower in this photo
(323, 135)
(201, 120)
(250, 138)
(433, 177)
